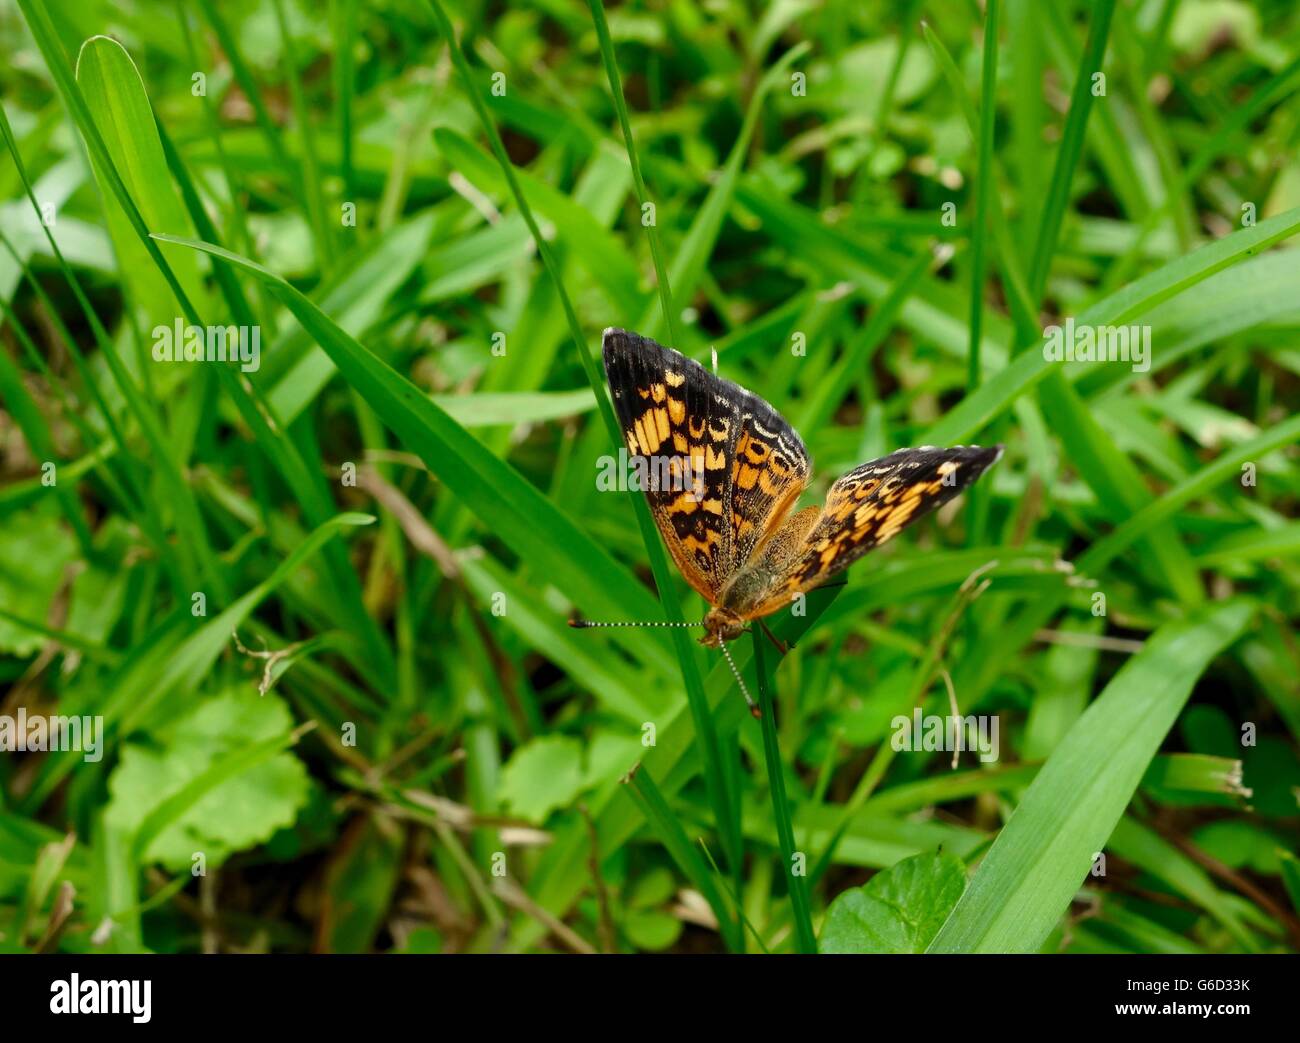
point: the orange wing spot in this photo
(646, 435)
(752, 453)
(674, 377)
(719, 434)
(864, 515)
(693, 542)
(713, 506)
(765, 483)
(661, 420)
(696, 432)
(680, 443)
(658, 392)
(748, 476)
(684, 504)
(676, 410)
(715, 461)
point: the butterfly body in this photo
(728, 471)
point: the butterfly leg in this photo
(781, 646)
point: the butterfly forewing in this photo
(724, 465)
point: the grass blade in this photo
(1026, 881)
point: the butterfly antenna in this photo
(753, 707)
(585, 624)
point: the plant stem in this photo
(796, 881)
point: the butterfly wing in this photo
(733, 466)
(866, 507)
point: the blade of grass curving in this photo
(796, 880)
(194, 552)
(308, 489)
(112, 88)
(514, 509)
(1032, 871)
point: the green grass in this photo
(387, 523)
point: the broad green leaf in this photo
(227, 811)
(118, 104)
(898, 910)
(541, 776)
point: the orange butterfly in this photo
(726, 470)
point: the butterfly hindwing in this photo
(724, 466)
(866, 507)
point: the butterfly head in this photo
(721, 625)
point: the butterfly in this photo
(723, 470)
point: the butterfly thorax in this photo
(721, 625)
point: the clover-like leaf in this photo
(542, 775)
(898, 910)
(238, 809)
